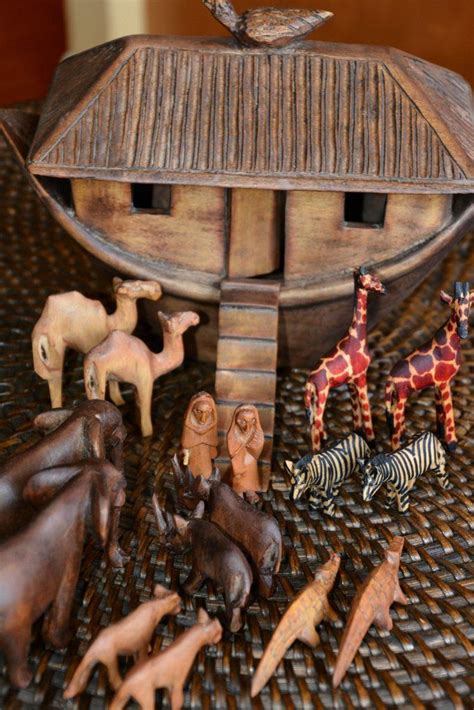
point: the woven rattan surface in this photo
(427, 661)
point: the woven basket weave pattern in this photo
(425, 661)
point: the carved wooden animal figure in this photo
(371, 604)
(256, 532)
(93, 430)
(432, 365)
(347, 362)
(321, 475)
(400, 470)
(305, 612)
(168, 669)
(214, 557)
(245, 444)
(199, 437)
(131, 636)
(70, 320)
(124, 358)
(39, 566)
(269, 26)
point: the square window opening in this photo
(365, 210)
(154, 199)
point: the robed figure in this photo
(199, 437)
(245, 443)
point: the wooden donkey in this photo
(131, 636)
(39, 566)
(347, 362)
(434, 364)
(70, 320)
(124, 358)
(168, 669)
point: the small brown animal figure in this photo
(199, 437)
(124, 358)
(245, 444)
(39, 566)
(94, 430)
(371, 604)
(305, 612)
(130, 636)
(256, 532)
(168, 669)
(70, 320)
(214, 556)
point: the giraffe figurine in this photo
(434, 364)
(347, 362)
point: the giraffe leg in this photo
(317, 428)
(398, 423)
(449, 426)
(364, 405)
(356, 411)
(440, 418)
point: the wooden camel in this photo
(347, 362)
(434, 364)
(168, 669)
(70, 320)
(130, 636)
(124, 358)
(39, 566)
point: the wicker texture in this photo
(425, 661)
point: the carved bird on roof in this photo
(267, 26)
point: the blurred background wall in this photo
(35, 33)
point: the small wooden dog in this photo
(321, 475)
(130, 636)
(305, 612)
(168, 669)
(371, 604)
(214, 557)
(400, 470)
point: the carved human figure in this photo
(199, 437)
(245, 443)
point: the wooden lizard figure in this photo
(305, 612)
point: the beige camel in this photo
(124, 358)
(130, 636)
(70, 320)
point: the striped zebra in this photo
(400, 469)
(322, 474)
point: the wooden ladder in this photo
(247, 359)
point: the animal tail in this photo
(274, 652)
(81, 676)
(91, 380)
(352, 638)
(389, 404)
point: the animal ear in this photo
(181, 524)
(202, 616)
(445, 297)
(290, 466)
(45, 484)
(199, 510)
(49, 421)
(116, 283)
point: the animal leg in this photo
(329, 507)
(115, 394)
(399, 595)
(398, 423)
(117, 557)
(176, 698)
(440, 422)
(356, 411)
(55, 384)
(120, 699)
(81, 676)
(403, 502)
(15, 645)
(449, 425)
(115, 679)
(317, 427)
(383, 620)
(440, 470)
(391, 495)
(315, 500)
(194, 581)
(56, 627)
(234, 617)
(364, 405)
(144, 398)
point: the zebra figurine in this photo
(399, 470)
(322, 474)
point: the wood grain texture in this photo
(209, 111)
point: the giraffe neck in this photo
(359, 320)
(448, 334)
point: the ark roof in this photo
(318, 116)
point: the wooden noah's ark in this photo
(252, 179)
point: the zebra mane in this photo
(304, 461)
(378, 460)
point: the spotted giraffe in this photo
(433, 365)
(346, 363)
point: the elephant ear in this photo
(49, 421)
(45, 484)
